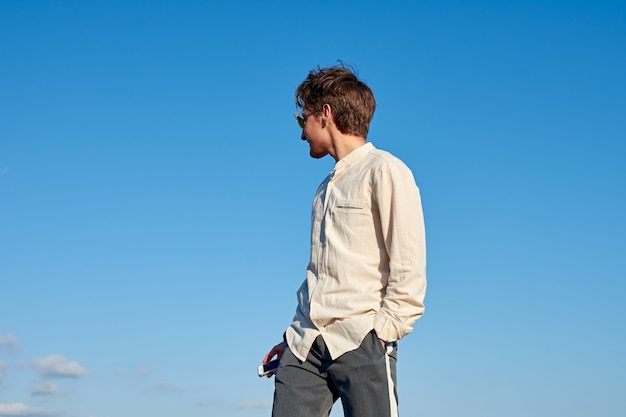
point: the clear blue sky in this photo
(155, 199)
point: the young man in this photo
(366, 280)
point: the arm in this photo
(402, 229)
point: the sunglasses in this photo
(300, 119)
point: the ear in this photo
(327, 113)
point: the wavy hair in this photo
(351, 100)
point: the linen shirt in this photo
(368, 256)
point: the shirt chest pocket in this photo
(351, 216)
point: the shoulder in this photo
(384, 156)
(382, 161)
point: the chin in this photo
(317, 155)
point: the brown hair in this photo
(351, 100)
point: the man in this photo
(366, 279)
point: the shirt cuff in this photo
(389, 329)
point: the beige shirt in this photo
(368, 256)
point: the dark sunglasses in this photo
(300, 119)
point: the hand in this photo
(277, 351)
(383, 343)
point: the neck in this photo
(344, 144)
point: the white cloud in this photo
(58, 365)
(45, 388)
(23, 410)
(9, 343)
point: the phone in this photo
(266, 368)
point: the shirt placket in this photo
(322, 253)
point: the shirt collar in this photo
(351, 158)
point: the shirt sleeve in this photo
(402, 227)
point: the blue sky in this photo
(155, 199)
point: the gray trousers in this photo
(364, 379)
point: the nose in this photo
(302, 136)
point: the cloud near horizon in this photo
(23, 410)
(58, 366)
(255, 404)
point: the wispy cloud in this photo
(23, 410)
(58, 366)
(137, 372)
(9, 343)
(4, 368)
(251, 404)
(255, 404)
(45, 388)
(214, 403)
(163, 387)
